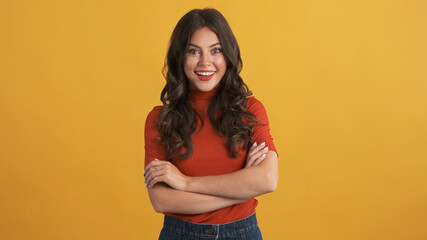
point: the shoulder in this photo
(253, 103)
(154, 114)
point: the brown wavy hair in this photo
(227, 111)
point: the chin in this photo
(204, 89)
(205, 86)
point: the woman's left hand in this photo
(164, 171)
(256, 154)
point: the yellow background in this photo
(344, 84)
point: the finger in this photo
(151, 171)
(152, 164)
(162, 175)
(256, 159)
(256, 154)
(249, 161)
(157, 179)
(158, 173)
(262, 151)
(253, 146)
(148, 171)
(259, 160)
(257, 148)
(251, 149)
(154, 178)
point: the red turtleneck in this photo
(210, 155)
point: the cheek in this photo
(221, 65)
(189, 67)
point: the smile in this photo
(205, 75)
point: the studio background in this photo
(344, 84)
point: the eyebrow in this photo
(194, 45)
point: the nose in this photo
(204, 60)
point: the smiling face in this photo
(204, 63)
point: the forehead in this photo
(204, 37)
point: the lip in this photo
(205, 78)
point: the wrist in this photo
(189, 184)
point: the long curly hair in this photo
(227, 111)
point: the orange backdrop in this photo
(344, 84)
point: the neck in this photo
(197, 95)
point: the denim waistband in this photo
(215, 231)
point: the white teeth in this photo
(205, 73)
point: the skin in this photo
(204, 54)
(171, 191)
(164, 198)
(164, 171)
(260, 176)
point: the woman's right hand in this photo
(256, 154)
(164, 171)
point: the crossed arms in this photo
(171, 191)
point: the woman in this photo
(208, 149)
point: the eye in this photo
(216, 50)
(193, 51)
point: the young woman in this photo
(208, 149)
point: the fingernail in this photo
(254, 144)
(263, 155)
(145, 185)
(263, 143)
(144, 180)
(266, 149)
(156, 159)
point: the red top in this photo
(210, 154)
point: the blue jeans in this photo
(175, 228)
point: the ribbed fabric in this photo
(210, 155)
